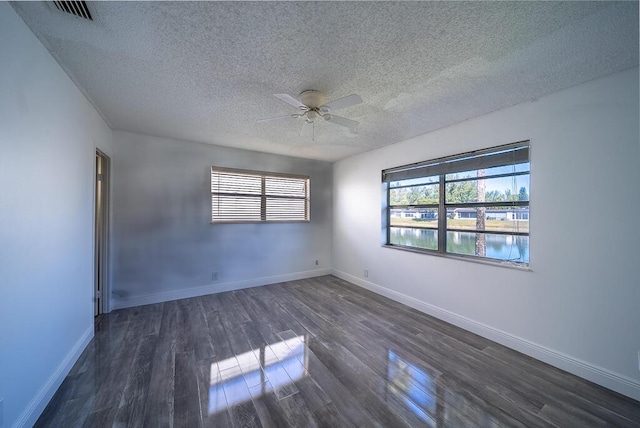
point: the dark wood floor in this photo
(316, 352)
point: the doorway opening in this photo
(101, 237)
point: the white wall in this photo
(165, 247)
(578, 306)
(48, 135)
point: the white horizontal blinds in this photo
(251, 196)
(279, 209)
(235, 208)
(236, 183)
(509, 154)
(235, 197)
(286, 186)
(287, 198)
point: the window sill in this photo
(472, 259)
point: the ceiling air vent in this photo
(76, 8)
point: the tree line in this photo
(458, 192)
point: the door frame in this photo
(101, 221)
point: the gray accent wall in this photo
(164, 245)
(578, 305)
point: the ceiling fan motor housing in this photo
(312, 99)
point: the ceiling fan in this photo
(312, 106)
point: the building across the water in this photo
(463, 213)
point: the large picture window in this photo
(471, 205)
(239, 196)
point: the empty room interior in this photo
(319, 214)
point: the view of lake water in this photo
(500, 247)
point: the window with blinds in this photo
(239, 196)
(473, 204)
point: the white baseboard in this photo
(185, 293)
(611, 380)
(35, 408)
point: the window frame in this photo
(263, 195)
(443, 167)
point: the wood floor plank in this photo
(623, 406)
(295, 412)
(158, 409)
(53, 414)
(287, 361)
(213, 402)
(267, 407)
(249, 347)
(111, 374)
(186, 403)
(365, 385)
(313, 352)
(76, 411)
(352, 411)
(143, 321)
(329, 417)
(102, 418)
(244, 414)
(408, 316)
(259, 334)
(218, 335)
(132, 405)
(565, 419)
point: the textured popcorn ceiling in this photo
(206, 71)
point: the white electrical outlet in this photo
(366, 273)
(214, 276)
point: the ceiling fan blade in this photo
(269, 119)
(290, 100)
(342, 121)
(344, 102)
